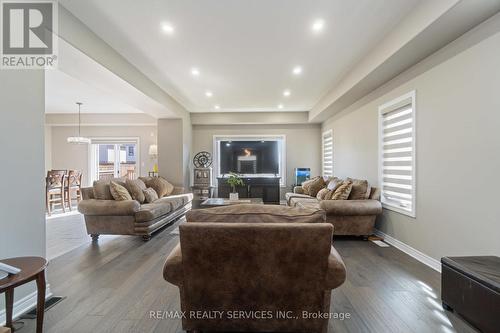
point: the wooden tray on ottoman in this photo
(470, 286)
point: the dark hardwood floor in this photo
(113, 285)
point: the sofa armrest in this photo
(298, 190)
(172, 270)
(108, 207)
(351, 207)
(336, 271)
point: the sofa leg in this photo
(146, 238)
(95, 237)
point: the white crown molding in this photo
(422, 257)
(101, 125)
(24, 305)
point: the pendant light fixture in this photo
(79, 140)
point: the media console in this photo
(266, 188)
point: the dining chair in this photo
(54, 189)
(73, 185)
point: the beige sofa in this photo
(348, 217)
(224, 264)
(110, 217)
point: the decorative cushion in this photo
(150, 195)
(343, 191)
(252, 213)
(360, 189)
(101, 188)
(312, 186)
(119, 192)
(160, 185)
(334, 184)
(322, 194)
(135, 188)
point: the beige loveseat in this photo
(273, 263)
(348, 217)
(129, 217)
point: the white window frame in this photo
(408, 98)
(282, 151)
(325, 134)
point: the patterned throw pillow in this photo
(311, 187)
(119, 192)
(150, 195)
(334, 184)
(360, 189)
(323, 193)
(161, 186)
(135, 187)
(343, 191)
(101, 188)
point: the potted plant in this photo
(234, 180)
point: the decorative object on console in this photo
(234, 180)
(153, 153)
(202, 176)
(80, 140)
(301, 175)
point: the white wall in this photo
(303, 143)
(458, 160)
(71, 156)
(22, 203)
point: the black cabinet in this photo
(267, 188)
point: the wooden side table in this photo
(32, 268)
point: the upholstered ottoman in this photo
(470, 286)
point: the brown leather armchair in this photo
(256, 277)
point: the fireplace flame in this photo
(247, 152)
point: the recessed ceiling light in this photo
(318, 25)
(208, 93)
(297, 70)
(216, 106)
(280, 106)
(286, 93)
(195, 71)
(167, 28)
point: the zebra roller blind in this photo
(327, 144)
(397, 154)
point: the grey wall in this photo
(22, 203)
(70, 156)
(303, 143)
(457, 119)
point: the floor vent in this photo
(48, 304)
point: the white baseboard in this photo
(423, 258)
(24, 305)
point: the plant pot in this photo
(233, 196)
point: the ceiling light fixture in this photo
(208, 93)
(216, 106)
(195, 71)
(318, 25)
(286, 93)
(167, 28)
(79, 140)
(297, 70)
(280, 106)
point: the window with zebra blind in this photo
(327, 146)
(397, 154)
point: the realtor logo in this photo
(29, 35)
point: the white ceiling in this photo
(245, 49)
(63, 91)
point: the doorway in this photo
(114, 159)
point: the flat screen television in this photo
(249, 157)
